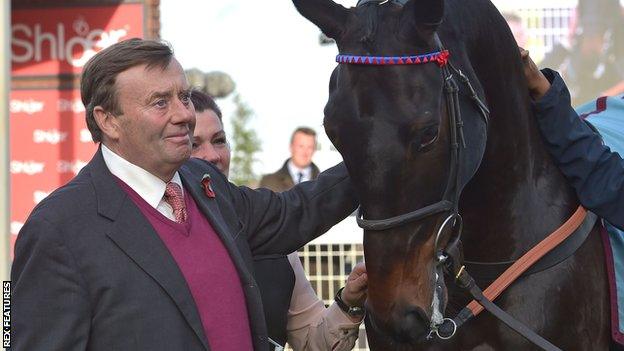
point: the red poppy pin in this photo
(205, 182)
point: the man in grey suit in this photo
(145, 249)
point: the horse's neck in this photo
(518, 196)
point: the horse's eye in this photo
(429, 136)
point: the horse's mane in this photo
(493, 54)
(486, 35)
(494, 58)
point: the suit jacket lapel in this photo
(135, 236)
(287, 182)
(209, 207)
(286, 179)
(315, 171)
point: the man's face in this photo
(209, 141)
(302, 149)
(155, 128)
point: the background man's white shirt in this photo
(306, 173)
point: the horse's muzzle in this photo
(412, 326)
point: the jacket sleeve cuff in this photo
(336, 314)
(558, 90)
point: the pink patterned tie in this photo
(173, 196)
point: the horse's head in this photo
(392, 125)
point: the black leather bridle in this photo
(450, 200)
(449, 258)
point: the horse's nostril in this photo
(414, 325)
(418, 315)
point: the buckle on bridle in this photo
(443, 332)
(441, 258)
(457, 220)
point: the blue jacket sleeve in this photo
(593, 170)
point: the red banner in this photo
(60, 40)
(50, 142)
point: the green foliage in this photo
(245, 143)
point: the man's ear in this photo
(109, 124)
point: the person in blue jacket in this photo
(593, 170)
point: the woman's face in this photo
(210, 142)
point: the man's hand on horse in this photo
(537, 82)
(354, 293)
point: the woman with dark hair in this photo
(293, 312)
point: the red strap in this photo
(526, 261)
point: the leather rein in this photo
(448, 260)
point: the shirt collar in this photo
(149, 187)
(294, 170)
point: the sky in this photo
(273, 55)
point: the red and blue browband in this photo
(440, 57)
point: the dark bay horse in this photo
(391, 125)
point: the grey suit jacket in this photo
(90, 273)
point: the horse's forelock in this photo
(369, 17)
(370, 13)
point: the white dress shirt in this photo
(149, 187)
(306, 173)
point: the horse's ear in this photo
(325, 14)
(425, 14)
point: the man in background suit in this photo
(299, 167)
(145, 249)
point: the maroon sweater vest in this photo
(209, 272)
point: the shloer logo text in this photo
(75, 46)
